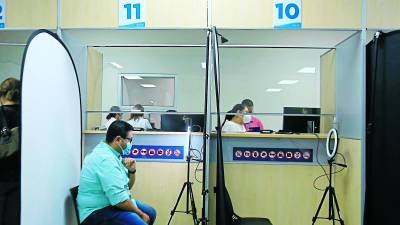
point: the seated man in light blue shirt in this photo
(104, 196)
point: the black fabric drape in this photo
(382, 203)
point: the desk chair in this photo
(74, 194)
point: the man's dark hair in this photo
(247, 103)
(118, 128)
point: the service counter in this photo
(271, 148)
(237, 147)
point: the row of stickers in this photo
(273, 154)
(156, 152)
(287, 13)
(132, 13)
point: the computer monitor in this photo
(177, 123)
(300, 123)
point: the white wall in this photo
(10, 61)
(161, 95)
(245, 73)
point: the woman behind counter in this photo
(113, 115)
(137, 120)
(235, 123)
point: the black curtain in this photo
(382, 202)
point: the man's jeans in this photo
(112, 216)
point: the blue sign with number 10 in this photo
(287, 14)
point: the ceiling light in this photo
(116, 65)
(148, 85)
(274, 90)
(307, 70)
(132, 77)
(288, 81)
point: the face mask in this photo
(246, 118)
(127, 149)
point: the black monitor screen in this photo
(177, 123)
(299, 123)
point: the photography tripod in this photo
(333, 203)
(189, 192)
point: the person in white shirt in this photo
(137, 120)
(113, 116)
(234, 123)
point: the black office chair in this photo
(74, 194)
(234, 219)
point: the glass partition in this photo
(281, 87)
(148, 82)
(170, 80)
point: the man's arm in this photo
(113, 182)
(128, 205)
(130, 164)
(132, 178)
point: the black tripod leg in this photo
(337, 206)
(331, 206)
(320, 205)
(177, 202)
(193, 204)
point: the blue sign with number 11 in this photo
(129, 7)
(132, 13)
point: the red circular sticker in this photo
(281, 155)
(168, 152)
(177, 152)
(247, 154)
(297, 155)
(264, 154)
(152, 152)
(135, 151)
(255, 154)
(160, 152)
(238, 154)
(272, 154)
(143, 152)
(289, 155)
